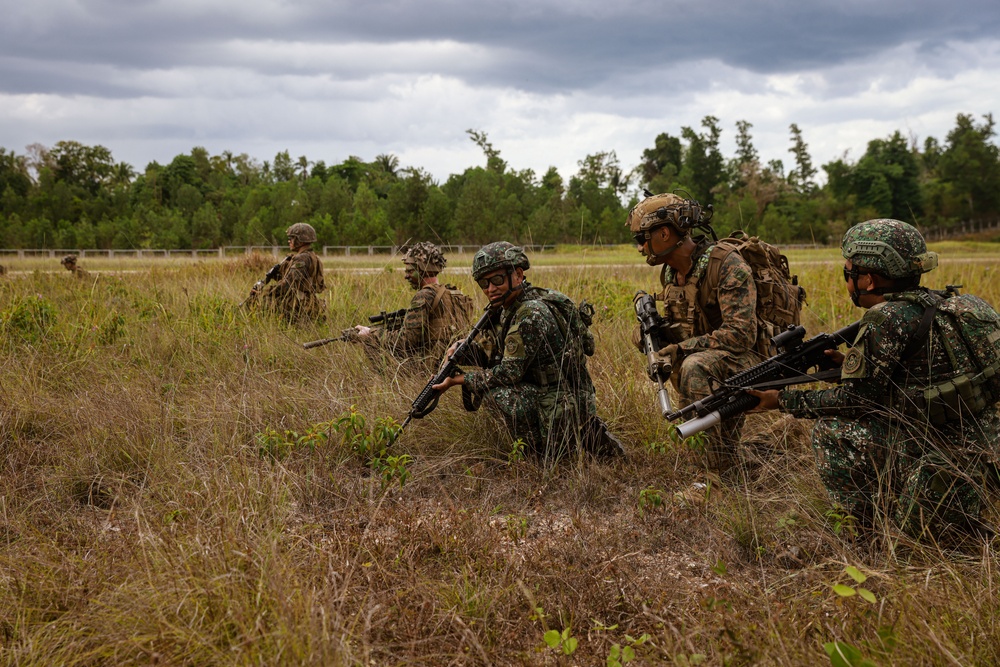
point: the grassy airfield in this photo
(185, 485)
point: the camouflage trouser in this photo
(693, 385)
(879, 468)
(548, 420)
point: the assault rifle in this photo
(274, 273)
(427, 399)
(392, 321)
(656, 334)
(790, 366)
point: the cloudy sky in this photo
(549, 81)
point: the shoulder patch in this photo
(854, 364)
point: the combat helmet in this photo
(665, 209)
(302, 232)
(68, 260)
(890, 248)
(426, 257)
(498, 255)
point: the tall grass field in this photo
(184, 484)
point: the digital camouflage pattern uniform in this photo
(877, 451)
(294, 295)
(718, 321)
(535, 374)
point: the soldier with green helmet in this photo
(534, 364)
(710, 301)
(913, 431)
(300, 279)
(437, 313)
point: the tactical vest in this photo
(449, 313)
(968, 330)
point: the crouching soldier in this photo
(534, 365)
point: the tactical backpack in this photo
(779, 296)
(974, 335)
(457, 309)
(574, 323)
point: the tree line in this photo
(77, 196)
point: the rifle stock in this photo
(427, 400)
(789, 367)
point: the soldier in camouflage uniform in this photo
(534, 361)
(714, 310)
(912, 432)
(437, 314)
(293, 295)
(69, 262)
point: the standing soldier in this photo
(436, 314)
(912, 431)
(534, 369)
(710, 300)
(300, 279)
(69, 261)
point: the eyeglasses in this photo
(853, 273)
(498, 280)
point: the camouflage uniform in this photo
(300, 279)
(877, 451)
(437, 313)
(535, 372)
(534, 360)
(718, 321)
(69, 261)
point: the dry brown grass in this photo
(141, 523)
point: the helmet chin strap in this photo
(653, 258)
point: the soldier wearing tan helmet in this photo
(710, 299)
(69, 262)
(438, 313)
(300, 279)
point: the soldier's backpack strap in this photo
(920, 337)
(439, 291)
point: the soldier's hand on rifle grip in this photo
(768, 399)
(671, 355)
(458, 379)
(836, 356)
(362, 330)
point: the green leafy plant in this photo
(622, 654)
(517, 527)
(841, 521)
(561, 641)
(849, 591)
(650, 498)
(516, 453)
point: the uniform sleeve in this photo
(867, 373)
(737, 297)
(525, 337)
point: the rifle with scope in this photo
(391, 321)
(274, 273)
(797, 361)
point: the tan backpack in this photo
(779, 297)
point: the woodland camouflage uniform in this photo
(716, 306)
(877, 450)
(69, 261)
(293, 295)
(437, 313)
(534, 367)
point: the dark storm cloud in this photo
(552, 46)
